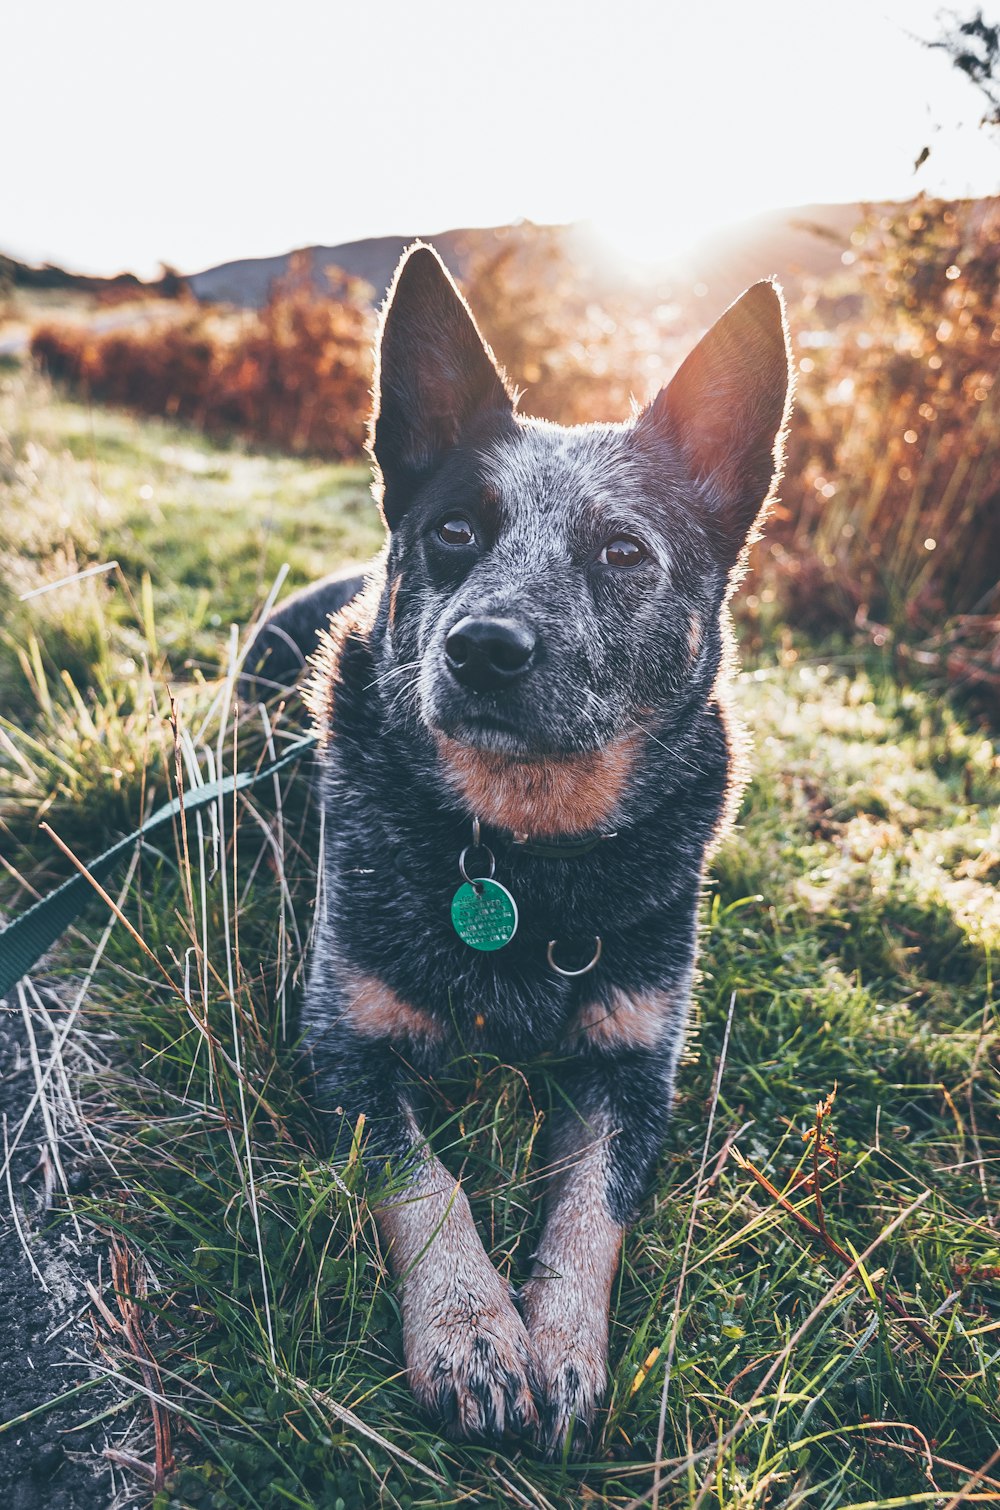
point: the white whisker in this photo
(393, 671)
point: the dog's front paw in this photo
(571, 1382)
(568, 1352)
(469, 1362)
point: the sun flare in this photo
(669, 231)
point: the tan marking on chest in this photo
(376, 1012)
(571, 795)
(623, 1021)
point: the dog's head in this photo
(551, 590)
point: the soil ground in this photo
(54, 1460)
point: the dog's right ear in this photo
(726, 410)
(433, 374)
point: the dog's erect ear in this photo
(726, 410)
(433, 374)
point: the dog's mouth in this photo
(495, 735)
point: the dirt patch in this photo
(53, 1461)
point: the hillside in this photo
(805, 241)
(248, 280)
(789, 243)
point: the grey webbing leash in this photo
(24, 940)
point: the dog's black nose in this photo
(486, 654)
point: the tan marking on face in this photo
(694, 637)
(461, 1333)
(565, 1302)
(572, 794)
(376, 1012)
(624, 1020)
(393, 595)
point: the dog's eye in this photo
(456, 531)
(623, 551)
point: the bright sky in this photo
(210, 129)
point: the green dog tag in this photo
(486, 921)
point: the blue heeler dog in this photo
(523, 700)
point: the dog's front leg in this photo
(466, 1347)
(602, 1148)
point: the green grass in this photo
(851, 922)
(209, 528)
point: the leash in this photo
(28, 937)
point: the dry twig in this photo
(129, 1280)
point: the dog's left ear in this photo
(434, 374)
(726, 410)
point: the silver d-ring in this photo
(483, 849)
(550, 955)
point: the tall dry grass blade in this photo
(14, 1212)
(73, 1013)
(247, 1173)
(347, 1417)
(78, 576)
(980, 1476)
(45, 1110)
(688, 1237)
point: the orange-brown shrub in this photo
(892, 494)
(530, 298)
(294, 374)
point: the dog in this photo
(526, 759)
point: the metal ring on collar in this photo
(484, 849)
(550, 955)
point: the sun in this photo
(651, 237)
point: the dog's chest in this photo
(393, 851)
(393, 922)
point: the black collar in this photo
(564, 849)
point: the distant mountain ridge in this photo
(791, 244)
(49, 275)
(248, 280)
(786, 243)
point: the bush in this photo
(294, 374)
(531, 299)
(895, 448)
